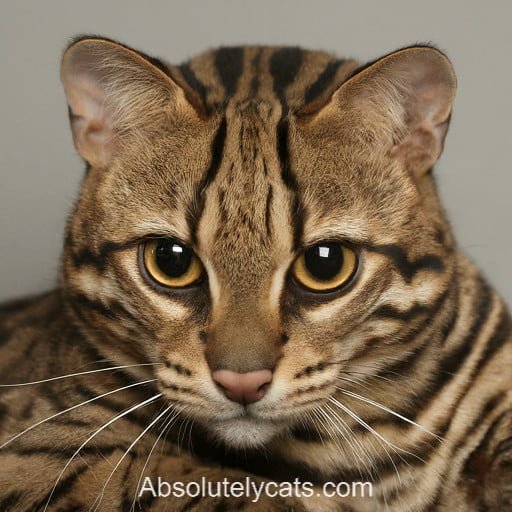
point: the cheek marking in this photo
(96, 286)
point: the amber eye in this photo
(325, 267)
(171, 263)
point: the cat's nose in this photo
(244, 388)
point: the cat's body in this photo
(250, 156)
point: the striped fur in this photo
(248, 155)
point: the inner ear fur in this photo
(111, 90)
(404, 100)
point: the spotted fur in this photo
(249, 155)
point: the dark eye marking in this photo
(407, 267)
(86, 257)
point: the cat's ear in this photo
(403, 100)
(111, 90)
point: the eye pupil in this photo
(172, 258)
(324, 261)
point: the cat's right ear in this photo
(112, 90)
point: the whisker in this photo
(76, 375)
(127, 451)
(354, 416)
(371, 470)
(335, 440)
(71, 408)
(103, 427)
(387, 409)
(174, 415)
(363, 450)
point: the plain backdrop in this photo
(40, 172)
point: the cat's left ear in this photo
(404, 101)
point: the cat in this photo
(258, 281)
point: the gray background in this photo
(40, 173)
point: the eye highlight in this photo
(171, 264)
(325, 267)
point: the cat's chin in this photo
(244, 432)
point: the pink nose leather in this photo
(244, 388)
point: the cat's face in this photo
(250, 240)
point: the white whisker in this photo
(75, 375)
(103, 427)
(127, 451)
(364, 452)
(354, 416)
(174, 415)
(71, 408)
(387, 409)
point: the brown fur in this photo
(249, 155)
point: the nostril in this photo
(264, 387)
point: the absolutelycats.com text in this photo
(247, 488)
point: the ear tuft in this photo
(112, 90)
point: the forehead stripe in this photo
(229, 64)
(216, 158)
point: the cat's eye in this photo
(171, 264)
(325, 267)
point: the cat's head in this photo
(260, 223)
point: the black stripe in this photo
(12, 366)
(55, 397)
(115, 310)
(447, 424)
(63, 453)
(448, 367)
(3, 412)
(93, 305)
(389, 311)
(500, 337)
(452, 361)
(255, 65)
(323, 81)
(99, 260)
(297, 212)
(268, 211)
(127, 500)
(193, 82)
(216, 158)
(284, 66)
(307, 434)
(64, 487)
(10, 500)
(454, 312)
(194, 214)
(408, 268)
(106, 402)
(487, 408)
(192, 503)
(483, 445)
(229, 67)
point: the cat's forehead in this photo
(289, 76)
(232, 165)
